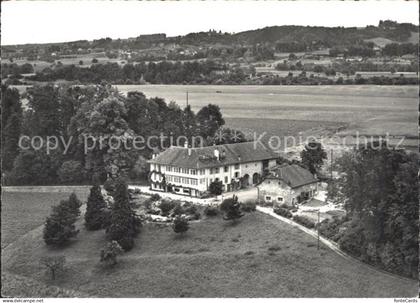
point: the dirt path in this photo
(333, 246)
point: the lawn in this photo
(258, 257)
(23, 211)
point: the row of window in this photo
(182, 180)
(185, 170)
(268, 198)
(214, 170)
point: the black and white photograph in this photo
(210, 149)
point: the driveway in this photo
(243, 195)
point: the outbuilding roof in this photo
(293, 175)
(206, 157)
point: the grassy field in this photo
(259, 257)
(368, 109)
(23, 211)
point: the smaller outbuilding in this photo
(288, 184)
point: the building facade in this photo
(190, 171)
(287, 184)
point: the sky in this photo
(60, 21)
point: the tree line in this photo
(74, 113)
(379, 189)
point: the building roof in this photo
(293, 175)
(204, 157)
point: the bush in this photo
(249, 206)
(231, 208)
(166, 206)
(110, 253)
(352, 240)
(126, 242)
(177, 211)
(331, 228)
(211, 211)
(155, 197)
(180, 225)
(193, 212)
(216, 188)
(283, 212)
(305, 221)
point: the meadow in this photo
(258, 257)
(367, 109)
(23, 211)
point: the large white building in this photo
(190, 171)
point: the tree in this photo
(231, 208)
(124, 223)
(110, 253)
(59, 227)
(216, 187)
(74, 204)
(35, 167)
(313, 156)
(71, 172)
(381, 199)
(11, 122)
(180, 224)
(54, 265)
(43, 111)
(209, 119)
(95, 216)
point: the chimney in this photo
(217, 154)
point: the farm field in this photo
(367, 109)
(258, 257)
(24, 211)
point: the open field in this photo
(259, 257)
(24, 211)
(368, 109)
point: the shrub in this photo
(155, 197)
(166, 206)
(216, 188)
(283, 212)
(249, 206)
(180, 225)
(305, 221)
(177, 211)
(110, 253)
(352, 240)
(331, 228)
(211, 211)
(193, 212)
(54, 265)
(231, 208)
